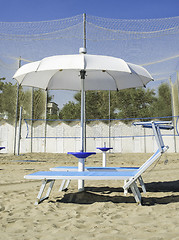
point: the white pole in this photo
(81, 169)
(17, 106)
(19, 135)
(32, 116)
(173, 109)
(46, 103)
(82, 115)
(82, 74)
(84, 30)
(104, 158)
(109, 118)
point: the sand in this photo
(102, 212)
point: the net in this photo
(152, 43)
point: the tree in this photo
(162, 106)
(127, 103)
(97, 106)
(70, 110)
(134, 103)
(8, 100)
(39, 102)
(1, 90)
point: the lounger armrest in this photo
(164, 127)
(167, 125)
(156, 122)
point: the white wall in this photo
(62, 138)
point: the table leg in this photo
(104, 159)
(81, 168)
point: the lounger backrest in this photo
(152, 159)
(145, 166)
(161, 149)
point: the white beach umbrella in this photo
(82, 72)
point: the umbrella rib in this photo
(51, 79)
(113, 79)
(141, 80)
(38, 66)
(134, 72)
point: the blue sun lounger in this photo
(65, 183)
(130, 177)
(161, 125)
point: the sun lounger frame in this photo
(65, 183)
(129, 177)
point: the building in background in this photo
(52, 109)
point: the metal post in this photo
(84, 121)
(84, 93)
(82, 74)
(144, 141)
(84, 30)
(32, 116)
(109, 118)
(17, 106)
(173, 111)
(178, 88)
(82, 114)
(46, 102)
(176, 120)
(83, 118)
(19, 135)
(81, 168)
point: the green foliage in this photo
(163, 104)
(39, 103)
(135, 103)
(25, 102)
(70, 110)
(52, 116)
(97, 106)
(8, 100)
(127, 103)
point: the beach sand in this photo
(101, 213)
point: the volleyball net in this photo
(152, 43)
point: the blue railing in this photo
(175, 133)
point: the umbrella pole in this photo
(82, 73)
(82, 162)
(82, 115)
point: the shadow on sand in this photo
(106, 194)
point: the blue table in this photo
(104, 150)
(81, 165)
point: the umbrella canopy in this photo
(99, 72)
(82, 72)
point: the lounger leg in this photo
(42, 188)
(136, 192)
(67, 183)
(50, 188)
(142, 184)
(125, 190)
(64, 183)
(44, 182)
